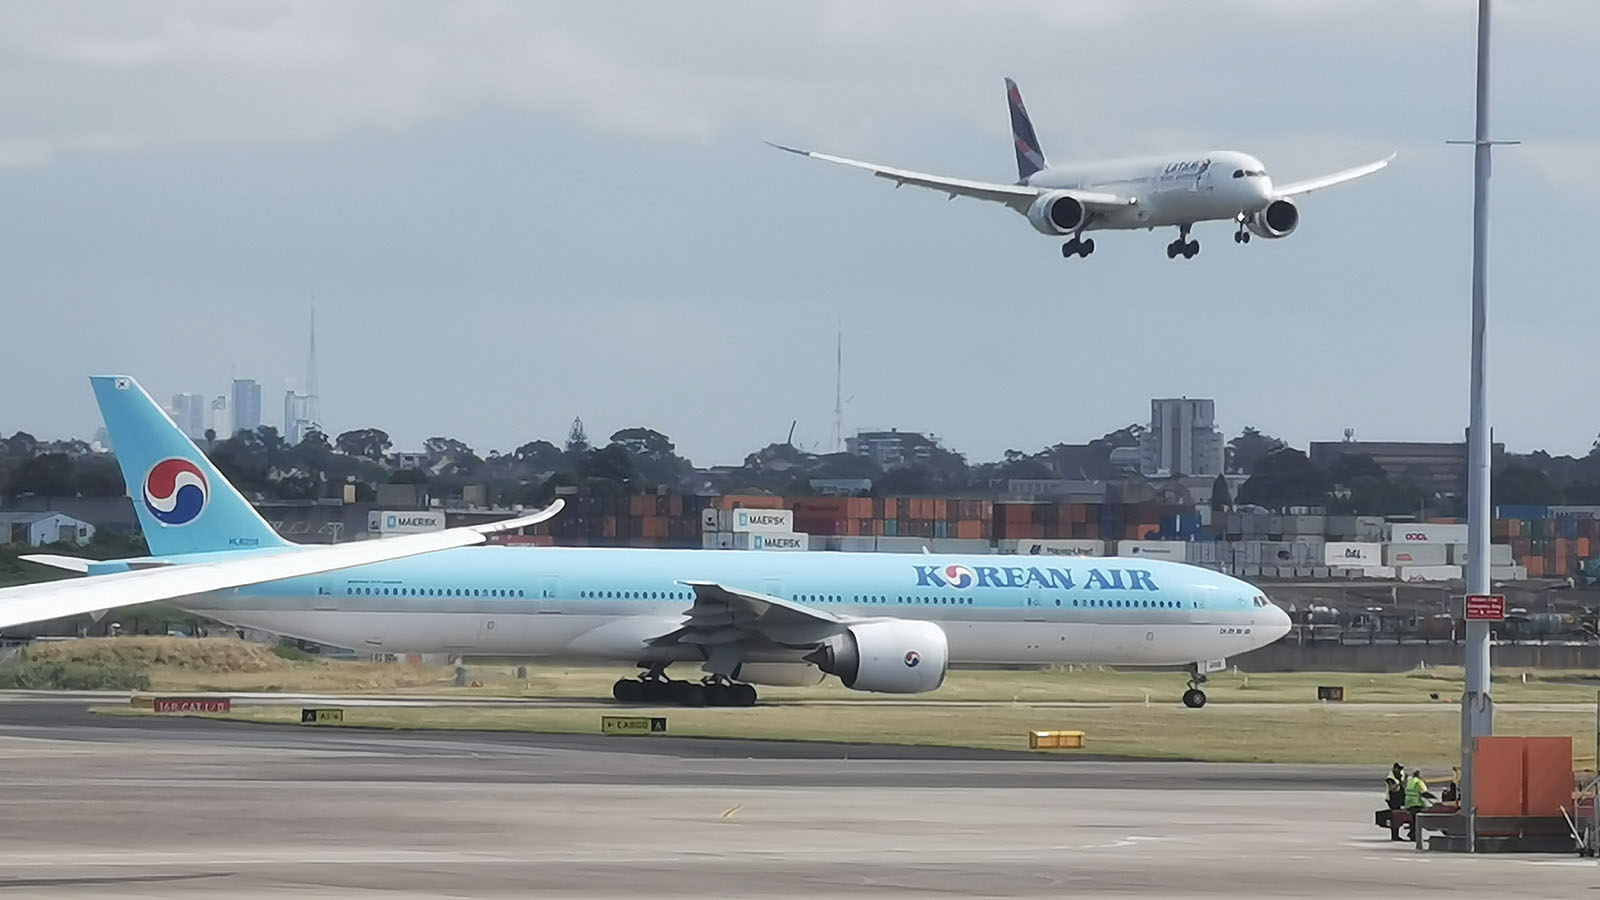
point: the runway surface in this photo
(101, 806)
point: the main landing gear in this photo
(653, 686)
(1076, 247)
(1194, 698)
(1183, 245)
(1241, 235)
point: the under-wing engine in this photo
(1057, 213)
(890, 656)
(1275, 220)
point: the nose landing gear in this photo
(1241, 235)
(1194, 698)
(1183, 245)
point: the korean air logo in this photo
(959, 577)
(175, 491)
(913, 659)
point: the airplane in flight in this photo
(890, 623)
(1174, 190)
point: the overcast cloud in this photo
(511, 214)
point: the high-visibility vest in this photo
(1415, 788)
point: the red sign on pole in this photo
(1486, 607)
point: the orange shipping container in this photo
(1583, 548)
(1535, 566)
(969, 529)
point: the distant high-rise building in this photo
(246, 404)
(221, 424)
(1183, 438)
(188, 411)
(297, 411)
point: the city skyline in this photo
(471, 281)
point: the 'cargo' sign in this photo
(633, 724)
(1486, 607)
(192, 705)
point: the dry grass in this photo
(1303, 734)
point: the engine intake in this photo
(1056, 214)
(1275, 220)
(890, 656)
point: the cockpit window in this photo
(1238, 173)
(1260, 600)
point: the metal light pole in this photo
(1477, 706)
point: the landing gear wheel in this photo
(741, 695)
(716, 695)
(1173, 249)
(657, 691)
(1245, 237)
(692, 695)
(1194, 698)
(1087, 247)
(1191, 249)
(1069, 249)
(628, 690)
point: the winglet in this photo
(787, 149)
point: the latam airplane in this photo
(1149, 192)
(891, 623)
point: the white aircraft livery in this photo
(886, 622)
(1176, 190)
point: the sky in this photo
(510, 214)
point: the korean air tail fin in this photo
(183, 503)
(1030, 157)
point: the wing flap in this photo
(56, 599)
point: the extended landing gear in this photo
(653, 686)
(1241, 235)
(1183, 245)
(1194, 698)
(1076, 247)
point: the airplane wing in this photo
(1331, 179)
(55, 599)
(724, 621)
(1017, 196)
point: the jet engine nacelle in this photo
(1275, 220)
(1056, 214)
(891, 656)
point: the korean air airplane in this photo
(891, 623)
(1175, 190)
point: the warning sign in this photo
(1486, 607)
(321, 717)
(633, 724)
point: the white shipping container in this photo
(1499, 554)
(1277, 553)
(404, 521)
(1384, 572)
(716, 540)
(1416, 554)
(1307, 552)
(773, 520)
(1352, 554)
(1508, 573)
(904, 544)
(857, 544)
(768, 540)
(1428, 573)
(1369, 529)
(1028, 547)
(1208, 553)
(709, 519)
(1425, 533)
(1177, 551)
(971, 546)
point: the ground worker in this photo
(1417, 797)
(1394, 785)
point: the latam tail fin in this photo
(1030, 157)
(183, 503)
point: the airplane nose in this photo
(1278, 622)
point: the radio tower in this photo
(838, 393)
(312, 411)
